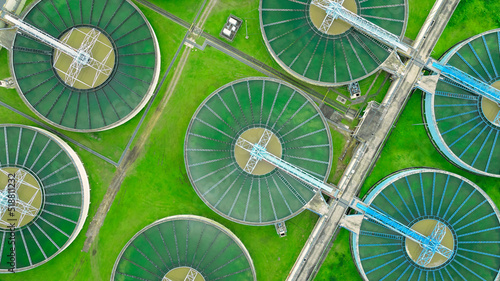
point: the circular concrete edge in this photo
(133, 113)
(317, 82)
(255, 78)
(381, 185)
(219, 226)
(84, 183)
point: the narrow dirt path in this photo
(204, 16)
(132, 155)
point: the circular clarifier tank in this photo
(184, 247)
(428, 200)
(245, 109)
(109, 80)
(44, 199)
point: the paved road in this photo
(323, 235)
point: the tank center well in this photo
(338, 26)
(20, 198)
(253, 135)
(426, 227)
(183, 273)
(90, 41)
(490, 108)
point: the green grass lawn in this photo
(338, 143)
(157, 185)
(418, 11)
(382, 88)
(339, 265)
(248, 11)
(408, 146)
(400, 153)
(185, 9)
(471, 17)
(377, 92)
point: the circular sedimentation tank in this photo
(44, 199)
(103, 94)
(338, 56)
(462, 124)
(245, 108)
(178, 247)
(419, 199)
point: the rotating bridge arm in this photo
(431, 245)
(81, 57)
(497, 119)
(472, 83)
(39, 35)
(334, 10)
(436, 237)
(258, 152)
(253, 160)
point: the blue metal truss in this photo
(259, 153)
(334, 10)
(471, 83)
(431, 245)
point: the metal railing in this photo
(471, 83)
(334, 10)
(431, 244)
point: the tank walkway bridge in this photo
(461, 79)
(241, 56)
(431, 244)
(81, 57)
(373, 138)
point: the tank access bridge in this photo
(377, 124)
(431, 245)
(461, 79)
(334, 10)
(81, 57)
